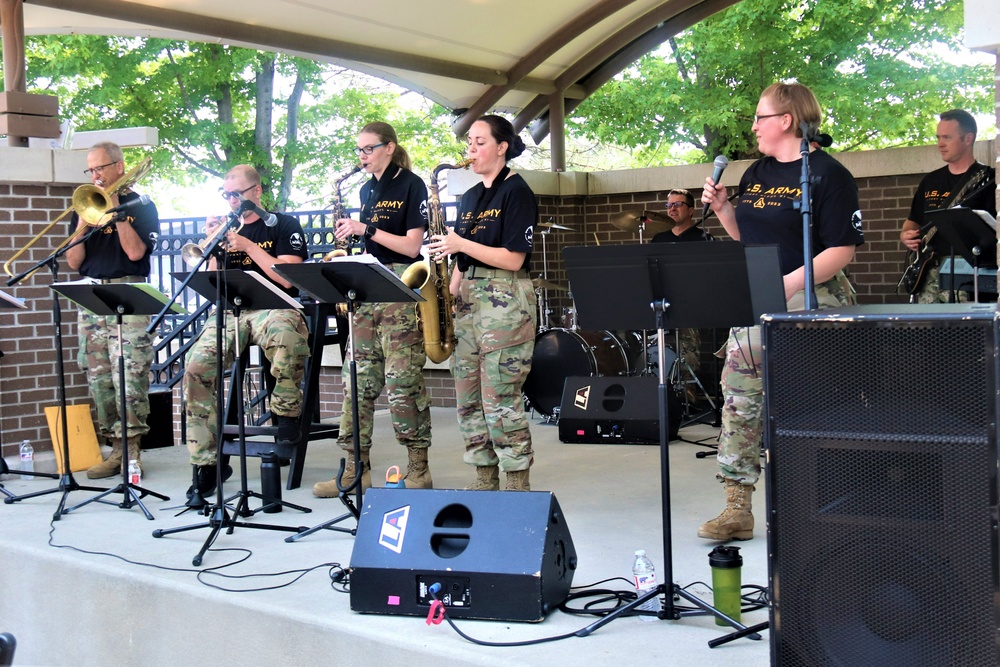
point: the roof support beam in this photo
(536, 57)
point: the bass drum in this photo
(563, 353)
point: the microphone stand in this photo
(196, 501)
(67, 483)
(805, 205)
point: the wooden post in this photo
(12, 34)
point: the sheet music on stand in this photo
(94, 296)
(240, 283)
(344, 274)
(11, 301)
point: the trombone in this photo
(91, 204)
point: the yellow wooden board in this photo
(84, 451)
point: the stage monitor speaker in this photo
(497, 555)
(882, 486)
(615, 410)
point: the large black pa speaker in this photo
(882, 486)
(615, 410)
(497, 555)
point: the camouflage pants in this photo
(931, 291)
(495, 327)
(389, 353)
(98, 356)
(743, 389)
(283, 338)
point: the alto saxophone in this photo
(435, 315)
(342, 247)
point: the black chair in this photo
(7, 646)
(310, 428)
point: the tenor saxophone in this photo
(342, 247)
(435, 315)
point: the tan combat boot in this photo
(418, 475)
(517, 480)
(736, 521)
(110, 466)
(330, 490)
(487, 479)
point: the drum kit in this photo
(567, 351)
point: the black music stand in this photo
(117, 300)
(8, 301)
(965, 232)
(234, 289)
(351, 280)
(720, 284)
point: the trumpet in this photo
(91, 204)
(194, 253)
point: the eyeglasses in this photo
(757, 118)
(97, 170)
(229, 195)
(367, 150)
(675, 204)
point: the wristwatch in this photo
(370, 231)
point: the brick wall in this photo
(28, 379)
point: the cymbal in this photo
(552, 225)
(654, 221)
(539, 283)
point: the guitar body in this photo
(916, 270)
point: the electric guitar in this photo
(919, 261)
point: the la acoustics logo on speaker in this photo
(394, 529)
(582, 398)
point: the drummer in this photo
(680, 208)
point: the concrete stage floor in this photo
(68, 607)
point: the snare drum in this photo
(563, 353)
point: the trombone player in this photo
(118, 253)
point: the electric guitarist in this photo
(962, 181)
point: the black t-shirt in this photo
(507, 221)
(936, 187)
(396, 204)
(105, 257)
(695, 233)
(285, 238)
(766, 213)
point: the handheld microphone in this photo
(720, 166)
(143, 200)
(270, 219)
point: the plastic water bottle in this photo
(134, 472)
(645, 581)
(27, 458)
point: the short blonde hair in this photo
(796, 100)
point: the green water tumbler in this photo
(726, 564)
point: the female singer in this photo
(388, 346)
(494, 306)
(765, 213)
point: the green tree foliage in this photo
(215, 106)
(881, 70)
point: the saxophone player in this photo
(495, 308)
(388, 345)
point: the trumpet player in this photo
(387, 343)
(281, 333)
(118, 253)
